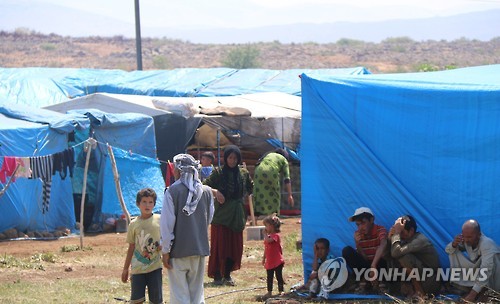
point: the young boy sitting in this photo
(321, 254)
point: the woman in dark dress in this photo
(231, 187)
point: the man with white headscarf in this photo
(188, 208)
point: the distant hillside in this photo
(49, 18)
(481, 26)
(399, 54)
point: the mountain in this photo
(481, 26)
(49, 18)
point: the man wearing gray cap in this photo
(188, 208)
(370, 240)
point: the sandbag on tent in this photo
(424, 144)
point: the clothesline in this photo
(39, 167)
(130, 152)
(81, 143)
(74, 146)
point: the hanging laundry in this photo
(24, 169)
(41, 167)
(8, 167)
(170, 179)
(64, 161)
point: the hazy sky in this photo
(254, 13)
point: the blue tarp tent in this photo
(42, 87)
(424, 144)
(132, 137)
(26, 132)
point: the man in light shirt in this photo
(473, 250)
(188, 208)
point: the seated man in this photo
(473, 250)
(413, 251)
(370, 240)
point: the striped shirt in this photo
(369, 243)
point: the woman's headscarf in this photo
(280, 151)
(188, 168)
(232, 149)
(231, 190)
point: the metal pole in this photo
(138, 36)
(218, 147)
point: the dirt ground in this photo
(104, 254)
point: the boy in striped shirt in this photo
(370, 240)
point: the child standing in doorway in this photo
(273, 254)
(144, 251)
(206, 160)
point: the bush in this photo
(48, 46)
(160, 62)
(426, 67)
(399, 40)
(242, 58)
(349, 42)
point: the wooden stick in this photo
(117, 183)
(10, 181)
(250, 205)
(89, 144)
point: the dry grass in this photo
(59, 272)
(402, 54)
(54, 272)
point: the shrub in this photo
(242, 58)
(48, 46)
(426, 67)
(349, 42)
(398, 40)
(160, 62)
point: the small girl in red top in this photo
(273, 253)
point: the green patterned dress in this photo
(267, 183)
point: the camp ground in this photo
(416, 143)
(155, 115)
(29, 133)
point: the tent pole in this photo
(138, 35)
(89, 145)
(250, 206)
(10, 181)
(218, 147)
(117, 183)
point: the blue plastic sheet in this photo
(424, 144)
(42, 87)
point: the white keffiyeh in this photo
(188, 168)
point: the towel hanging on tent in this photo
(8, 167)
(24, 169)
(41, 167)
(63, 161)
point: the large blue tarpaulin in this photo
(42, 87)
(26, 132)
(132, 139)
(425, 144)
